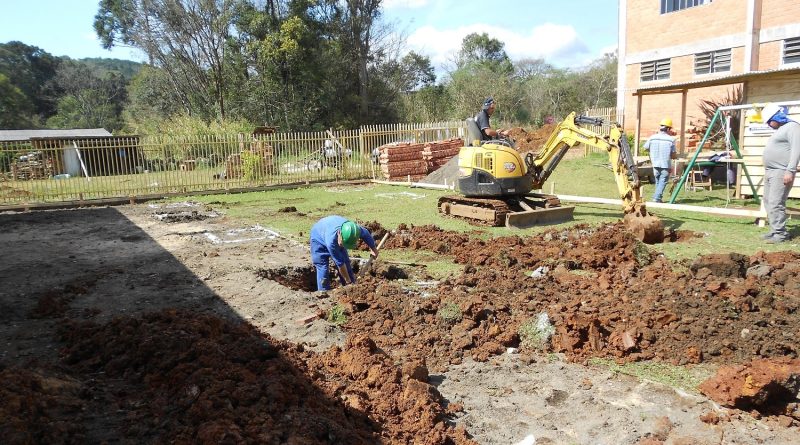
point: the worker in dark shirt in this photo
(482, 119)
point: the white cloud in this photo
(557, 44)
(410, 4)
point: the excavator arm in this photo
(569, 134)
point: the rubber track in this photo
(500, 208)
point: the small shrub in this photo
(536, 332)
(337, 316)
(449, 312)
(252, 165)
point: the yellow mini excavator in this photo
(496, 181)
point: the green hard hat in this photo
(350, 234)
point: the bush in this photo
(253, 165)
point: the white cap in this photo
(768, 111)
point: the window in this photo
(791, 50)
(712, 62)
(655, 70)
(677, 5)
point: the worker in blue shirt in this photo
(330, 238)
(662, 148)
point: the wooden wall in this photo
(752, 146)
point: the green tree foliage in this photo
(125, 68)
(30, 70)
(151, 100)
(89, 100)
(15, 107)
(188, 39)
(483, 51)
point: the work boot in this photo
(776, 240)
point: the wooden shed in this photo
(754, 139)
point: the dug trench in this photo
(155, 336)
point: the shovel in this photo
(369, 261)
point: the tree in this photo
(151, 99)
(90, 100)
(30, 70)
(186, 38)
(483, 50)
(15, 108)
(360, 17)
(599, 82)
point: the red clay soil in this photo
(768, 387)
(182, 377)
(40, 407)
(607, 295)
(533, 140)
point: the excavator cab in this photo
(473, 133)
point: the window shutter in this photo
(702, 63)
(647, 71)
(722, 60)
(662, 69)
(791, 50)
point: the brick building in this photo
(673, 53)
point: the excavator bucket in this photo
(646, 227)
(538, 217)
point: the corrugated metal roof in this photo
(26, 135)
(723, 80)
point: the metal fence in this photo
(609, 116)
(50, 170)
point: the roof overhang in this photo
(717, 81)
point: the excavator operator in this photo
(482, 119)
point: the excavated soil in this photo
(531, 141)
(597, 288)
(117, 327)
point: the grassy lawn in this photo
(393, 205)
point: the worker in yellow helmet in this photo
(662, 148)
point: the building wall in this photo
(648, 29)
(679, 35)
(779, 13)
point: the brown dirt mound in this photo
(40, 406)
(188, 378)
(770, 387)
(533, 140)
(607, 295)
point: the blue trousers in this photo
(321, 259)
(661, 176)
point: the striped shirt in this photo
(661, 146)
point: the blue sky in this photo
(62, 28)
(566, 33)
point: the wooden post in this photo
(683, 120)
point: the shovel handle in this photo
(383, 240)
